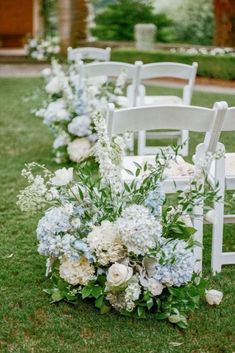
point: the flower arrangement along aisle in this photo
(43, 49)
(70, 106)
(122, 245)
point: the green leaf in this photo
(105, 309)
(99, 302)
(96, 291)
(162, 316)
(149, 303)
(141, 312)
(86, 292)
(57, 296)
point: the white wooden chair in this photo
(223, 172)
(158, 70)
(172, 117)
(111, 70)
(90, 53)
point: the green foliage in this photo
(49, 9)
(194, 22)
(28, 322)
(221, 67)
(117, 20)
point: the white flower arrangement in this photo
(204, 51)
(70, 106)
(43, 49)
(117, 243)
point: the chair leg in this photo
(198, 236)
(217, 237)
(184, 142)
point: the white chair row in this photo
(89, 53)
(211, 122)
(136, 93)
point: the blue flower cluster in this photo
(54, 237)
(155, 199)
(176, 265)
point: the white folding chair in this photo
(172, 117)
(166, 69)
(89, 53)
(223, 172)
(113, 69)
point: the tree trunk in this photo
(64, 23)
(79, 21)
(224, 11)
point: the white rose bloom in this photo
(78, 149)
(80, 126)
(46, 72)
(54, 86)
(61, 140)
(118, 274)
(76, 272)
(210, 216)
(62, 177)
(214, 297)
(152, 285)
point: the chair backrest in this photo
(90, 53)
(229, 121)
(170, 69)
(114, 69)
(191, 118)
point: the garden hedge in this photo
(219, 67)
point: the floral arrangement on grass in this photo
(43, 49)
(204, 51)
(121, 245)
(69, 108)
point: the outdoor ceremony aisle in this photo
(29, 323)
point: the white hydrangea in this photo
(54, 86)
(105, 243)
(56, 111)
(139, 230)
(79, 149)
(80, 126)
(76, 272)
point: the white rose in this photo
(118, 274)
(213, 297)
(210, 216)
(54, 86)
(154, 286)
(62, 177)
(78, 149)
(46, 72)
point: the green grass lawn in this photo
(28, 322)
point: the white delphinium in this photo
(173, 265)
(79, 149)
(139, 230)
(105, 243)
(76, 272)
(110, 172)
(80, 126)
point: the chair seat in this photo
(162, 100)
(177, 174)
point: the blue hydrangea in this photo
(155, 199)
(176, 263)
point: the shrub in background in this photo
(117, 21)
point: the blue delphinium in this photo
(155, 199)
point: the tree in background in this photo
(224, 11)
(117, 21)
(194, 22)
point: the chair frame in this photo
(174, 70)
(90, 53)
(192, 118)
(218, 257)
